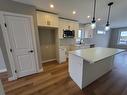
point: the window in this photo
(100, 32)
(81, 35)
(123, 38)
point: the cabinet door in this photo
(66, 24)
(54, 20)
(71, 25)
(61, 28)
(41, 19)
(62, 55)
(47, 19)
(76, 28)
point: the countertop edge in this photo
(92, 62)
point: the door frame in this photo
(8, 46)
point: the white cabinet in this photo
(62, 55)
(88, 31)
(47, 19)
(67, 24)
(1, 89)
(76, 28)
(62, 26)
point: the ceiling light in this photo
(99, 19)
(74, 12)
(88, 16)
(51, 6)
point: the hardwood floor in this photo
(56, 81)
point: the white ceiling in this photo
(84, 8)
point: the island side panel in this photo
(76, 69)
(96, 70)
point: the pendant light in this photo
(107, 27)
(93, 23)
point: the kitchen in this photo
(80, 39)
(47, 46)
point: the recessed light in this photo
(88, 16)
(51, 6)
(74, 12)
(99, 19)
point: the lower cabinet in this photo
(62, 55)
(64, 52)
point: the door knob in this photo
(31, 51)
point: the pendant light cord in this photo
(109, 14)
(94, 9)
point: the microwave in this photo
(68, 33)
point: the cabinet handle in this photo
(69, 27)
(31, 51)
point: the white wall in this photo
(99, 40)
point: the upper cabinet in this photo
(67, 25)
(47, 19)
(88, 31)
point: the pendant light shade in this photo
(107, 27)
(93, 23)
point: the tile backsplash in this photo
(67, 41)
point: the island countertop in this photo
(93, 55)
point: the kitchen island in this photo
(87, 65)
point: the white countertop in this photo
(93, 55)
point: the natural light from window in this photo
(79, 33)
(123, 38)
(101, 32)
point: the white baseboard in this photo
(3, 70)
(41, 70)
(48, 60)
(11, 78)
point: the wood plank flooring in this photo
(55, 80)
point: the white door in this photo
(1, 89)
(2, 63)
(19, 30)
